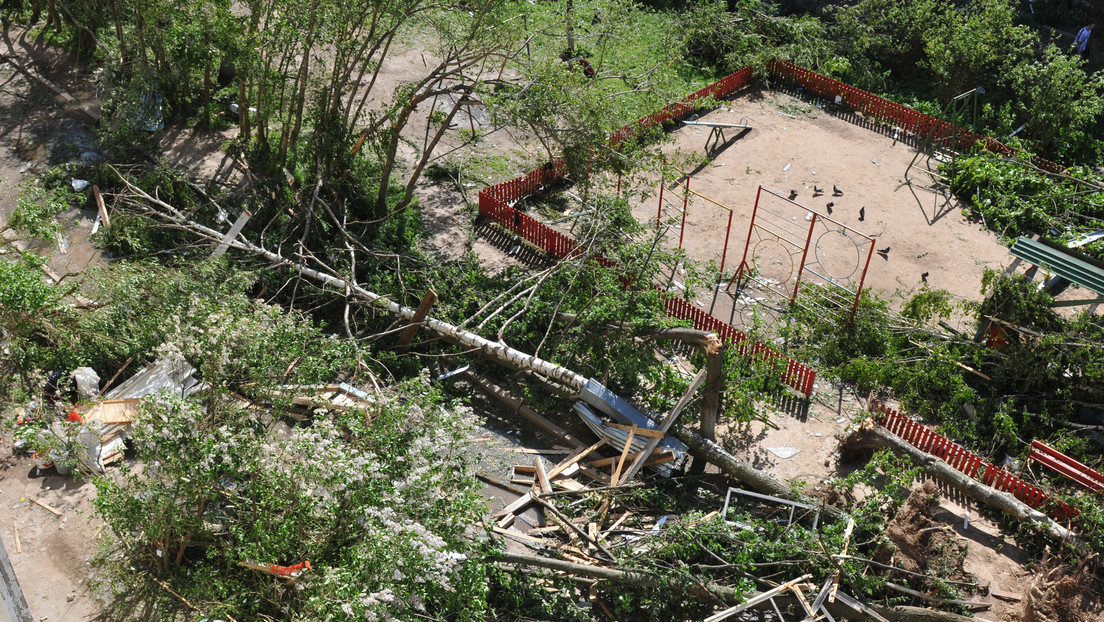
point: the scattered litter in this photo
(809, 217)
(733, 182)
(839, 100)
(786, 168)
(841, 419)
(874, 161)
(79, 185)
(784, 452)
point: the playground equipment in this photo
(840, 255)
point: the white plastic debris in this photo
(784, 452)
(79, 185)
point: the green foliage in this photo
(32, 312)
(1060, 104)
(965, 49)
(381, 503)
(1013, 198)
(39, 203)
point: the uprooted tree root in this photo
(1062, 593)
(924, 544)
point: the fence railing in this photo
(971, 464)
(908, 119)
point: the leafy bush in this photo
(380, 502)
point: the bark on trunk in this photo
(876, 437)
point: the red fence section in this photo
(906, 118)
(1080, 473)
(794, 374)
(971, 464)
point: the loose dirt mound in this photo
(923, 543)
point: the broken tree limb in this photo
(498, 352)
(872, 436)
(724, 592)
(520, 408)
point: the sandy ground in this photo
(797, 146)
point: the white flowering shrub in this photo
(381, 503)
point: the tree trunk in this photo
(711, 401)
(871, 436)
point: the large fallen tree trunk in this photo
(873, 436)
(495, 351)
(723, 593)
(757, 480)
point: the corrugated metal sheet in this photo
(1067, 263)
(617, 438)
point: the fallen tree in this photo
(724, 593)
(873, 436)
(500, 353)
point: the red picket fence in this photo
(673, 112)
(909, 120)
(795, 374)
(971, 464)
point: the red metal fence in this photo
(909, 120)
(971, 464)
(795, 374)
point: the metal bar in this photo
(685, 202)
(728, 230)
(804, 254)
(862, 279)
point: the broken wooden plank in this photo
(232, 234)
(100, 206)
(1009, 596)
(420, 314)
(665, 425)
(52, 510)
(574, 458)
(518, 504)
(542, 477)
(615, 478)
(755, 600)
(639, 431)
(657, 457)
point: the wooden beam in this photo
(664, 426)
(420, 314)
(577, 456)
(615, 478)
(104, 218)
